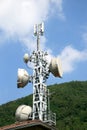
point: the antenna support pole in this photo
(38, 41)
(38, 30)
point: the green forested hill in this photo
(68, 101)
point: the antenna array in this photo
(41, 71)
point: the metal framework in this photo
(40, 73)
(41, 108)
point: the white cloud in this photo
(70, 57)
(17, 18)
(58, 5)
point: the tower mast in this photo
(41, 70)
(40, 73)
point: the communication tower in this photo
(41, 70)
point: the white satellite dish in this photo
(23, 112)
(23, 78)
(56, 67)
(26, 57)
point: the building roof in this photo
(28, 125)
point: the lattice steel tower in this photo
(40, 74)
(41, 71)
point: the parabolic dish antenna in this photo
(23, 78)
(56, 67)
(23, 112)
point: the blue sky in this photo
(65, 36)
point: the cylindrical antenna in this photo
(38, 30)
